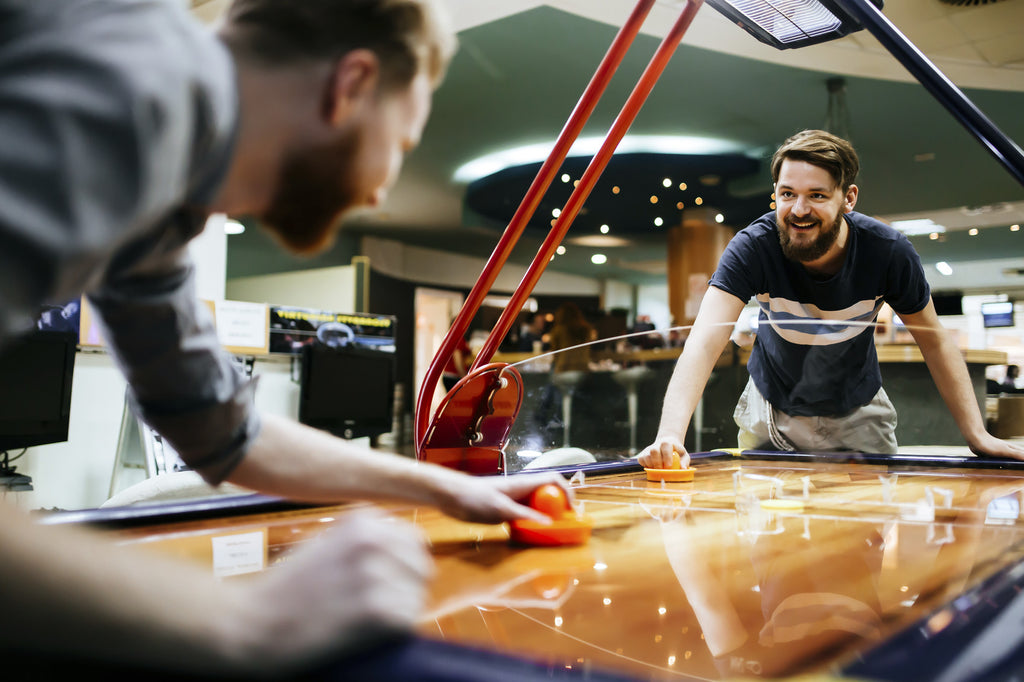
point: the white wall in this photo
(652, 299)
(331, 289)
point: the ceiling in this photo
(522, 66)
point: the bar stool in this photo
(567, 383)
(630, 378)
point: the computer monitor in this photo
(348, 392)
(35, 389)
(997, 314)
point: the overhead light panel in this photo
(916, 226)
(786, 24)
(944, 268)
(588, 146)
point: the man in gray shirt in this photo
(124, 124)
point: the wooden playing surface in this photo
(676, 572)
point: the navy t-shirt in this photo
(806, 361)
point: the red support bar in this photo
(573, 127)
(597, 165)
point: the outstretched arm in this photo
(710, 334)
(949, 372)
(304, 464)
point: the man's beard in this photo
(811, 251)
(315, 188)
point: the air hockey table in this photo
(905, 567)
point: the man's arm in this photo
(302, 463)
(70, 592)
(710, 334)
(949, 371)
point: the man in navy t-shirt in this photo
(820, 273)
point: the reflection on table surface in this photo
(699, 579)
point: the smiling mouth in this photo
(802, 226)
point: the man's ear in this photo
(354, 79)
(851, 199)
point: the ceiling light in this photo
(916, 226)
(719, 218)
(556, 212)
(599, 259)
(790, 23)
(599, 241)
(654, 199)
(588, 146)
(679, 205)
(604, 229)
(233, 227)
(565, 177)
(973, 232)
(682, 186)
(560, 250)
(944, 268)
(615, 189)
(1014, 228)
(933, 236)
(658, 221)
(667, 182)
(698, 201)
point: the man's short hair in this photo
(822, 149)
(408, 36)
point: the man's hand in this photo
(658, 455)
(993, 447)
(362, 580)
(494, 499)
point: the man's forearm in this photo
(301, 463)
(949, 372)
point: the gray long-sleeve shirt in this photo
(117, 120)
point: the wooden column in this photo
(694, 247)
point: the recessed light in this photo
(698, 201)
(719, 218)
(604, 229)
(1014, 228)
(560, 250)
(565, 177)
(599, 259)
(658, 221)
(973, 232)
(667, 182)
(654, 199)
(944, 268)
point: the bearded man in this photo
(820, 273)
(124, 124)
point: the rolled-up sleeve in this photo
(182, 383)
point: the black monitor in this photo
(997, 314)
(346, 391)
(948, 302)
(35, 389)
